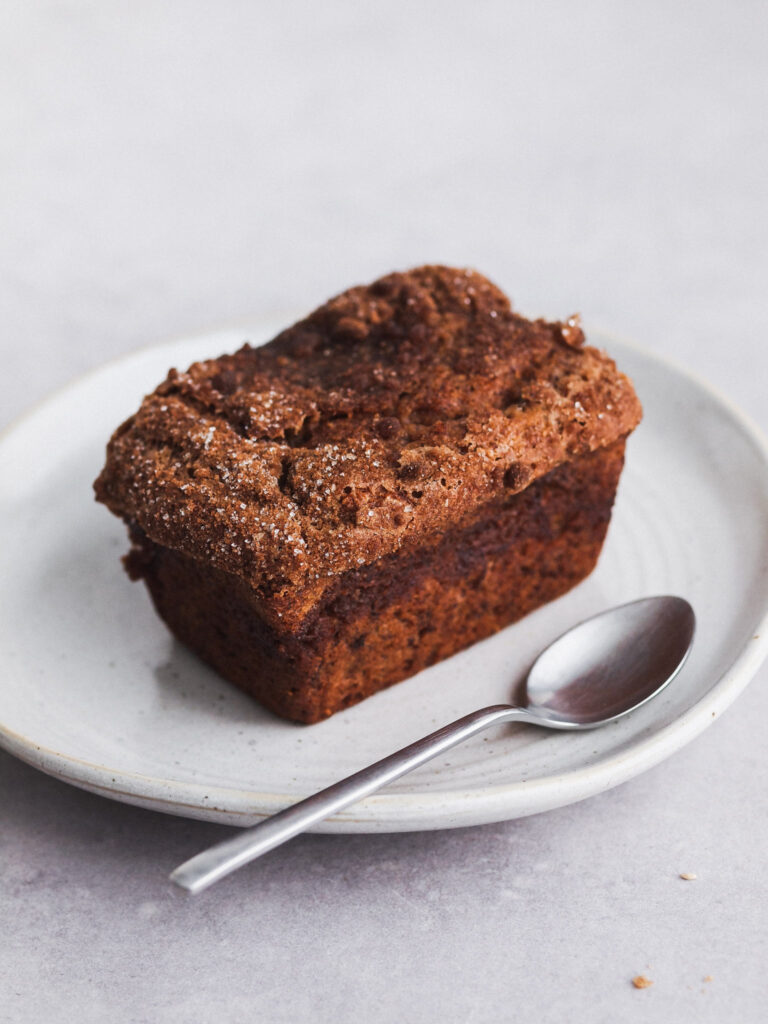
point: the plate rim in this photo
(385, 812)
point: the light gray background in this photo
(169, 166)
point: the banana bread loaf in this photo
(402, 473)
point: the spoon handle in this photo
(209, 866)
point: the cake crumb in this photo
(708, 977)
(640, 981)
(689, 876)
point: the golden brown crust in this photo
(392, 413)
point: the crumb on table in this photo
(640, 981)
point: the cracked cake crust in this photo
(388, 417)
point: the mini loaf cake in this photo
(404, 472)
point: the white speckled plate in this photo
(94, 691)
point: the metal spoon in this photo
(594, 674)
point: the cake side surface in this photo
(392, 414)
(384, 622)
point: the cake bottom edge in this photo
(387, 622)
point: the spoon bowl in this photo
(611, 664)
(593, 674)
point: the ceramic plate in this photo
(94, 691)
